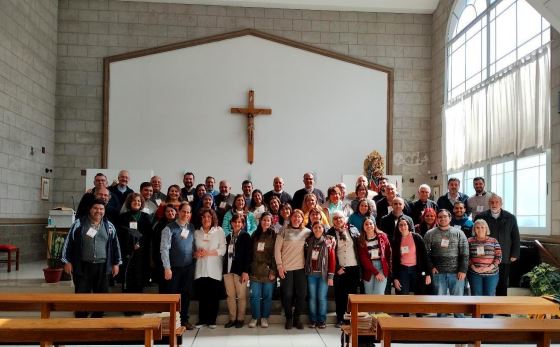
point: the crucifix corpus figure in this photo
(251, 112)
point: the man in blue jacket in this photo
(91, 251)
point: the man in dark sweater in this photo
(388, 222)
(309, 182)
(122, 190)
(447, 201)
(417, 207)
(278, 190)
(187, 192)
(99, 181)
(503, 227)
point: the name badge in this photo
(205, 237)
(314, 255)
(230, 249)
(223, 205)
(479, 208)
(404, 250)
(374, 254)
(444, 243)
(158, 202)
(134, 225)
(91, 232)
(480, 250)
(189, 198)
(184, 233)
(260, 246)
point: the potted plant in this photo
(544, 279)
(54, 268)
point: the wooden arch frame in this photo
(220, 37)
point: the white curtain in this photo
(507, 116)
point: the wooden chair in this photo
(9, 249)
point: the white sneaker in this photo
(253, 323)
(212, 326)
(264, 322)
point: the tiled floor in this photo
(30, 279)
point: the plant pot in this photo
(52, 275)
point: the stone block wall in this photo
(28, 54)
(92, 29)
(439, 38)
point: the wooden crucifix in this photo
(251, 112)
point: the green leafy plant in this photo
(544, 279)
(55, 251)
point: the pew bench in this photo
(45, 303)
(474, 305)
(467, 330)
(59, 330)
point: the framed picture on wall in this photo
(45, 188)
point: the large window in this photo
(522, 184)
(497, 111)
(487, 36)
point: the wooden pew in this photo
(49, 331)
(45, 303)
(474, 305)
(468, 330)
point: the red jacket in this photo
(368, 269)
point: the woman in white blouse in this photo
(210, 243)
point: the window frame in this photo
(466, 185)
(451, 39)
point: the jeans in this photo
(317, 288)
(448, 281)
(408, 278)
(261, 290)
(483, 285)
(373, 286)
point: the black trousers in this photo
(92, 279)
(181, 282)
(208, 291)
(503, 280)
(345, 284)
(294, 285)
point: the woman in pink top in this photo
(410, 260)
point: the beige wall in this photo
(91, 30)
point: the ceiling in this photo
(397, 6)
(549, 9)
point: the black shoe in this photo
(338, 324)
(321, 325)
(288, 324)
(299, 325)
(239, 324)
(188, 326)
(230, 324)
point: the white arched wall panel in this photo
(169, 112)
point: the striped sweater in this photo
(484, 253)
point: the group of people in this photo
(197, 240)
